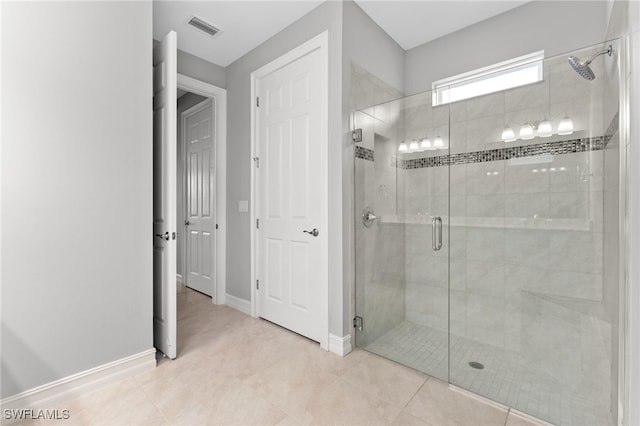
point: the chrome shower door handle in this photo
(436, 233)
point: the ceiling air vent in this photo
(204, 26)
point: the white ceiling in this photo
(412, 23)
(246, 24)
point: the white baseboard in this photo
(80, 383)
(340, 345)
(238, 304)
(179, 278)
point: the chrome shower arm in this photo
(608, 51)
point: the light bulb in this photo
(402, 147)
(438, 143)
(508, 135)
(544, 128)
(425, 143)
(526, 131)
(566, 126)
(413, 145)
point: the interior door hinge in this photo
(216, 226)
(257, 101)
(257, 223)
(257, 161)
(257, 284)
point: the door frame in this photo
(318, 42)
(218, 96)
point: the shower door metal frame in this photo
(624, 248)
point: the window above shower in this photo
(505, 75)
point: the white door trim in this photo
(319, 42)
(219, 96)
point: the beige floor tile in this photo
(292, 384)
(123, 403)
(406, 419)
(175, 394)
(385, 379)
(234, 369)
(224, 401)
(344, 404)
(516, 419)
(288, 421)
(248, 358)
(437, 404)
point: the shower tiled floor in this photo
(506, 377)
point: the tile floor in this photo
(237, 370)
(506, 376)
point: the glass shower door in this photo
(532, 316)
(402, 232)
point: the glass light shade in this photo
(402, 147)
(438, 143)
(526, 131)
(566, 126)
(544, 128)
(413, 145)
(425, 143)
(508, 135)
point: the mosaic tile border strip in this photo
(364, 153)
(549, 148)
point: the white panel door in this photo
(201, 184)
(164, 195)
(290, 197)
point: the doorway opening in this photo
(200, 192)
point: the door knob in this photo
(313, 232)
(368, 217)
(164, 236)
(186, 222)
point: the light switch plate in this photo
(243, 206)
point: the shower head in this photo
(583, 68)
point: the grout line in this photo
(506, 419)
(154, 405)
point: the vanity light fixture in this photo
(402, 147)
(413, 146)
(566, 126)
(544, 128)
(526, 131)
(508, 135)
(426, 143)
(438, 143)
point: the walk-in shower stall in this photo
(487, 233)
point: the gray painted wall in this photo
(367, 45)
(555, 26)
(327, 16)
(363, 43)
(201, 70)
(185, 102)
(76, 187)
